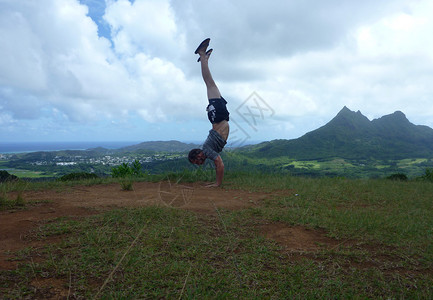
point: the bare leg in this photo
(212, 89)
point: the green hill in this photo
(351, 135)
(160, 146)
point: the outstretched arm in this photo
(219, 168)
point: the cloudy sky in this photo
(123, 70)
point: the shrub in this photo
(19, 201)
(121, 171)
(78, 176)
(428, 175)
(125, 170)
(5, 176)
(125, 173)
(127, 185)
(5, 201)
(136, 168)
(398, 176)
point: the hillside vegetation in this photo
(349, 145)
(351, 136)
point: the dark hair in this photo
(193, 154)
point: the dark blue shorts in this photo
(217, 110)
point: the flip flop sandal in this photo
(208, 52)
(203, 44)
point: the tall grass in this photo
(9, 201)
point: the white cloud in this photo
(278, 28)
(54, 57)
(5, 119)
(143, 26)
(307, 59)
(377, 68)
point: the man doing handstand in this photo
(217, 114)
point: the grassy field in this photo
(371, 169)
(29, 174)
(364, 168)
(381, 232)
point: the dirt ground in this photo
(81, 201)
(18, 227)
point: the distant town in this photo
(58, 163)
(106, 160)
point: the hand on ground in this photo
(212, 185)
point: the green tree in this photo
(126, 170)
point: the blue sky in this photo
(125, 70)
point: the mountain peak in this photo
(351, 135)
(398, 114)
(350, 119)
(396, 117)
(345, 111)
(345, 108)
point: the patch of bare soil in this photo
(299, 242)
(298, 238)
(82, 201)
(50, 288)
(16, 226)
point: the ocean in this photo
(20, 147)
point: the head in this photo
(196, 156)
